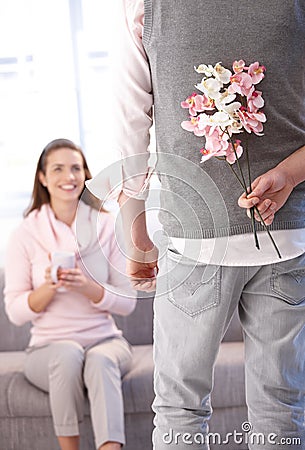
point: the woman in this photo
(75, 344)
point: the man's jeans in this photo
(193, 307)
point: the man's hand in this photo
(270, 192)
(142, 255)
(142, 267)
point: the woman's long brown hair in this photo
(40, 194)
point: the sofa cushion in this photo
(138, 326)
(11, 336)
(19, 398)
(11, 362)
(22, 398)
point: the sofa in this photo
(25, 417)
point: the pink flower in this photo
(192, 125)
(216, 144)
(207, 104)
(252, 122)
(231, 155)
(241, 83)
(256, 72)
(209, 153)
(255, 101)
(197, 103)
(238, 66)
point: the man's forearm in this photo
(294, 166)
(134, 223)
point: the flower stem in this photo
(250, 190)
(268, 231)
(254, 228)
(245, 189)
(258, 213)
(248, 165)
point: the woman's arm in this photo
(114, 294)
(40, 297)
(18, 281)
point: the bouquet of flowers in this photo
(228, 104)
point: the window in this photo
(54, 82)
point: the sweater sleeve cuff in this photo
(20, 312)
(117, 301)
(108, 184)
(106, 302)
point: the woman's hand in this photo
(40, 297)
(72, 279)
(75, 280)
(49, 281)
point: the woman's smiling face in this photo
(64, 175)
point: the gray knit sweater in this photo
(200, 200)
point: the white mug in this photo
(61, 260)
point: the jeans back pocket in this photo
(192, 287)
(288, 280)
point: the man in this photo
(210, 265)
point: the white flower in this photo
(207, 70)
(219, 119)
(232, 108)
(225, 103)
(235, 127)
(210, 87)
(222, 74)
(226, 98)
(218, 72)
